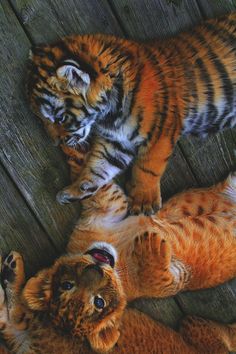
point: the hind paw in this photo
(13, 275)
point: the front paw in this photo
(76, 191)
(154, 250)
(146, 201)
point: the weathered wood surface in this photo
(38, 170)
(35, 165)
(19, 229)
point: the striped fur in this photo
(135, 100)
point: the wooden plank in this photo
(217, 304)
(155, 18)
(210, 159)
(47, 20)
(26, 152)
(164, 310)
(178, 176)
(216, 8)
(19, 230)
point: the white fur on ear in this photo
(70, 70)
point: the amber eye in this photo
(66, 285)
(99, 303)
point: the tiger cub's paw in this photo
(146, 201)
(153, 249)
(76, 191)
(13, 275)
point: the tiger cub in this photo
(78, 306)
(135, 100)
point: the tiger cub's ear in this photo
(104, 339)
(37, 291)
(75, 77)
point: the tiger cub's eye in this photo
(99, 303)
(66, 285)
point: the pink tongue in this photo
(101, 258)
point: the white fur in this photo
(230, 190)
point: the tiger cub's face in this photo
(68, 86)
(82, 295)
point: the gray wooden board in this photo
(214, 8)
(45, 20)
(210, 159)
(166, 311)
(155, 18)
(178, 176)
(216, 304)
(19, 230)
(38, 168)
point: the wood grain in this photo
(215, 8)
(217, 304)
(155, 18)
(37, 168)
(210, 159)
(19, 230)
(48, 20)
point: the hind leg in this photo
(209, 336)
(13, 277)
(218, 199)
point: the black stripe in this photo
(45, 91)
(119, 147)
(96, 173)
(223, 74)
(135, 89)
(205, 78)
(150, 172)
(112, 160)
(225, 36)
(160, 115)
(135, 132)
(43, 101)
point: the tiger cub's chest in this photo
(125, 133)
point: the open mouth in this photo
(102, 256)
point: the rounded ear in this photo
(104, 339)
(74, 75)
(37, 291)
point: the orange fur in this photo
(46, 319)
(187, 242)
(135, 100)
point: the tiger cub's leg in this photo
(104, 162)
(217, 199)
(13, 280)
(76, 155)
(144, 187)
(76, 158)
(209, 336)
(158, 273)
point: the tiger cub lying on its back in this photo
(136, 100)
(79, 304)
(78, 307)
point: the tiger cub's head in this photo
(71, 83)
(82, 295)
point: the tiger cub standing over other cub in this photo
(136, 99)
